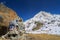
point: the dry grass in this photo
(40, 37)
(43, 37)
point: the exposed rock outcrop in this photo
(6, 15)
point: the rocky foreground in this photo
(6, 15)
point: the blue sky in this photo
(28, 8)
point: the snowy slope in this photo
(51, 24)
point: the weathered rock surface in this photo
(6, 15)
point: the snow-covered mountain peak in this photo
(43, 14)
(43, 22)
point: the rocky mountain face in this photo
(6, 15)
(43, 22)
(11, 25)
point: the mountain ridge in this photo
(50, 23)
